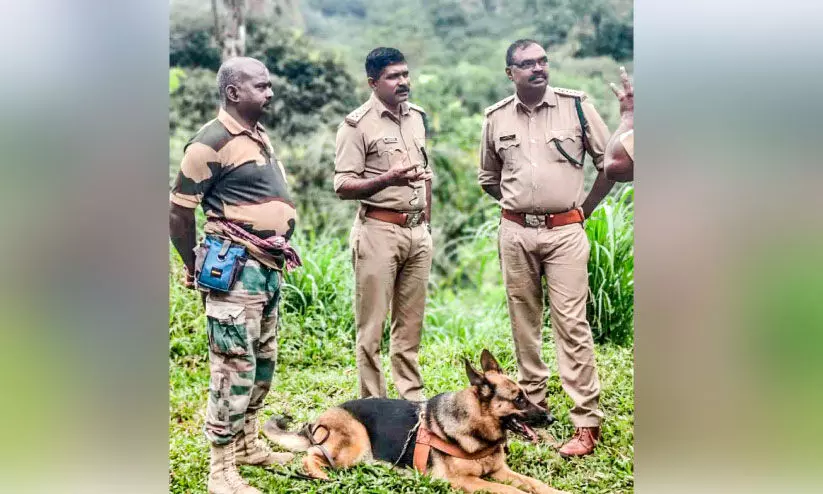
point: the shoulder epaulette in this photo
(570, 92)
(354, 117)
(503, 102)
(417, 107)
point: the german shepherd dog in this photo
(459, 437)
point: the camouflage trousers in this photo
(242, 329)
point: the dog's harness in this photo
(309, 433)
(426, 440)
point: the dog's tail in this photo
(276, 430)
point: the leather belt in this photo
(408, 220)
(551, 220)
(426, 440)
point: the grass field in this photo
(316, 368)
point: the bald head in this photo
(235, 71)
(245, 88)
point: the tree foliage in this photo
(311, 87)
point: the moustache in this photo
(401, 89)
(535, 76)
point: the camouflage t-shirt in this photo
(233, 172)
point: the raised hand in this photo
(624, 95)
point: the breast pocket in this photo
(508, 148)
(390, 154)
(565, 146)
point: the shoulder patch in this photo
(500, 104)
(417, 107)
(354, 117)
(569, 92)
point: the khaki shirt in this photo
(518, 152)
(234, 174)
(371, 141)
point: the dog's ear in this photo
(475, 378)
(488, 362)
(484, 388)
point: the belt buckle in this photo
(532, 220)
(413, 219)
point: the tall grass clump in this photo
(317, 324)
(611, 269)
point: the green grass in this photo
(316, 370)
(611, 268)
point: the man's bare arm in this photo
(618, 164)
(429, 202)
(600, 189)
(183, 233)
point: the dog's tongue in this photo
(530, 432)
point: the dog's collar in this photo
(426, 440)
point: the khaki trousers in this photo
(561, 254)
(391, 270)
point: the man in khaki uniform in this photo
(381, 161)
(531, 161)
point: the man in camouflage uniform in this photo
(381, 161)
(229, 167)
(531, 161)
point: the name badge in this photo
(508, 137)
(389, 140)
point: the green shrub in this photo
(318, 321)
(311, 86)
(194, 101)
(312, 89)
(191, 43)
(611, 269)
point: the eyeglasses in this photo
(529, 64)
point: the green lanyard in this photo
(583, 127)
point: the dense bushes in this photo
(194, 101)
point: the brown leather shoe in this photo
(582, 443)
